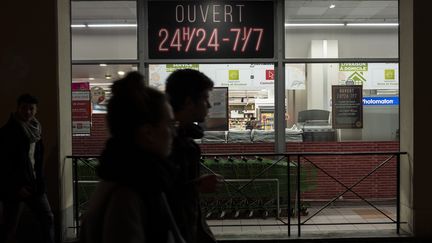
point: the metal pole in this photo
(398, 194)
(277, 199)
(289, 195)
(75, 190)
(298, 195)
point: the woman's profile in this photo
(129, 203)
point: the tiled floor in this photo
(345, 220)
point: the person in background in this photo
(129, 204)
(188, 92)
(251, 124)
(21, 170)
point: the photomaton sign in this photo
(210, 29)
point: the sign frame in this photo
(173, 32)
(217, 120)
(347, 106)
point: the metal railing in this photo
(294, 160)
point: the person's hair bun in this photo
(133, 82)
(132, 104)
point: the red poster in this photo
(80, 86)
(81, 112)
(270, 74)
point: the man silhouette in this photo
(21, 177)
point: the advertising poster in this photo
(347, 106)
(379, 76)
(242, 77)
(217, 118)
(99, 100)
(81, 109)
(295, 76)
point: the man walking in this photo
(188, 92)
(21, 179)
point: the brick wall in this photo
(93, 144)
(347, 169)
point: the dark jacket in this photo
(15, 165)
(127, 204)
(184, 197)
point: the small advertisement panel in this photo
(295, 76)
(379, 76)
(242, 77)
(81, 109)
(217, 118)
(347, 106)
(380, 101)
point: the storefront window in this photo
(309, 92)
(341, 29)
(350, 47)
(104, 30)
(99, 78)
(91, 91)
(248, 109)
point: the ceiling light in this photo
(341, 24)
(107, 76)
(373, 24)
(111, 25)
(78, 26)
(332, 6)
(100, 84)
(121, 73)
(102, 65)
(314, 25)
(91, 79)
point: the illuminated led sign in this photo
(210, 29)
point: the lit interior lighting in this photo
(341, 24)
(102, 65)
(100, 84)
(78, 26)
(332, 6)
(373, 24)
(314, 25)
(91, 79)
(111, 25)
(121, 73)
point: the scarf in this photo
(32, 129)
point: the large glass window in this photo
(104, 30)
(98, 78)
(309, 100)
(249, 103)
(336, 30)
(356, 43)
(341, 29)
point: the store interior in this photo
(105, 47)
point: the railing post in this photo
(398, 193)
(289, 194)
(298, 195)
(75, 190)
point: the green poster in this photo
(353, 67)
(389, 74)
(173, 67)
(233, 75)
